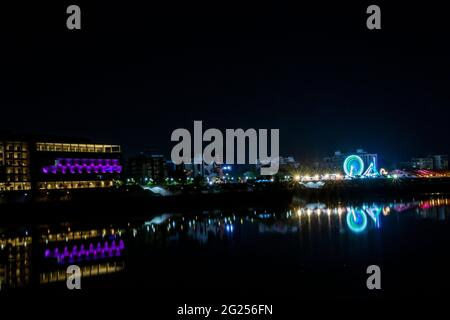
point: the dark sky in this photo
(133, 74)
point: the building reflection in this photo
(97, 251)
(41, 256)
(44, 256)
(353, 218)
(87, 271)
(15, 261)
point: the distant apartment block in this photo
(422, 163)
(144, 168)
(430, 162)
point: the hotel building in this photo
(39, 165)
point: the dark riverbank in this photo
(125, 203)
(96, 205)
(373, 189)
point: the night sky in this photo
(133, 74)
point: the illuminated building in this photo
(75, 165)
(14, 166)
(431, 162)
(422, 163)
(27, 164)
(193, 170)
(145, 168)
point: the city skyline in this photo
(305, 162)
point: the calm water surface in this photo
(311, 248)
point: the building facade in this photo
(422, 163)
(37, 165)
(14, 166)
(75, 165)
(430, 162)
(145, 168)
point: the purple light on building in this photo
(63, 165)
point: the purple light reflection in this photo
(99, 250)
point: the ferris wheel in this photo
(353, 166)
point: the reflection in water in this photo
(87, 271)
(89, 252)
(41, 255)
(15, 261)
(47, 254)
(356, 220)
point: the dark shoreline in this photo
(377, 189)
(121, 207)
(114, 205)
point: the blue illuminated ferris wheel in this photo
(353, 166)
